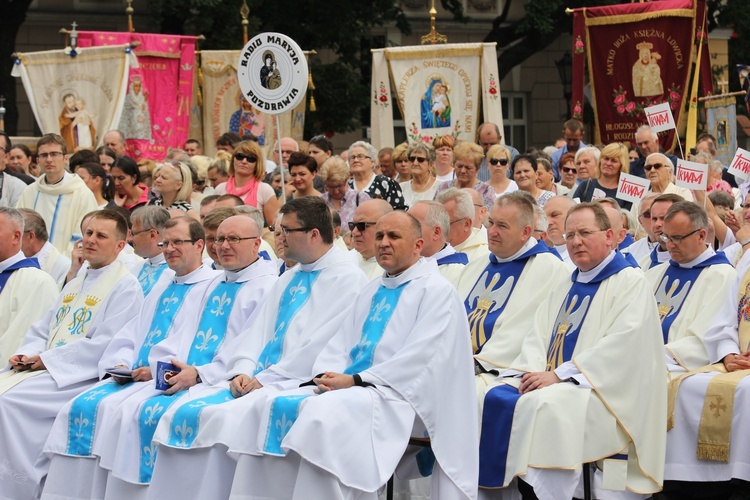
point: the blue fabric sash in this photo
(264, 255)
(626, 242)
(212, 328)
(82, 418)
(631, 260)
(148, 418)
(149, 275)
(295, 296)
(491, 293)
(186, 420)
(654, 257)
(382, 307)
(675, 287)
(454, 258)
(5, 275)
(554, 252)
(169, 304)
(284, 412)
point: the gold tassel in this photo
(312, 102)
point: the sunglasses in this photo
(655, 166)
(361, 226)
(495, 162)
(569, 170)
(250, 158)
(418, 159)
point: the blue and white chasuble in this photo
(500, 402)
(490, 294)
(5, 275)
(149, 275)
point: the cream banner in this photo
(440, 90)
(225, 109)
(80, 97)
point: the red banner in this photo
(156, 115)
(638, 55)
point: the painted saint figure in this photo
(136, 117)
(646, 72)
(246, 120)
(76, 125)
(270, 77)
(435, 105)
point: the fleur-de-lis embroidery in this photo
(60, 343)
(80, 422)
(80, 318)
(150, 453)
(93, 394)
(283, 425)
(147, 274)
(151, 336)
(207, 337)
(381, 307)
(197, 404)
(221, 302)
(297, 289)
(168, 302)
(153, 411)
(185, 432)
(362, 349)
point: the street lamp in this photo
(565, 69)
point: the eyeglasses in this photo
(584, 234)
(361, 226)
(569, 170)
(418, 159)
(359, 157)
(287, 151)
(676, 239)
(497, 161)
(249, 158)
(53, 155)
(287, 230)
(133, 233)
(233, 240)
(459, 220)
(175, 243)
(655, 166)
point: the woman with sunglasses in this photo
(362, 157)
(568, 172)
(423, 183)
(444, 145)
(498, 161)
(613, 161)
(246, 174)
(174, 183)
(97, 180)
(338, 195)
(130, 193)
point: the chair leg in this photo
(586, 482)
(389, 489)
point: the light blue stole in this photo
(149, 275)
(285, 409)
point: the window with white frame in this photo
(515, 121)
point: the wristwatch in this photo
(745, 242)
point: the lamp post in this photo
(565, 69)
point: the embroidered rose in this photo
(620, 99)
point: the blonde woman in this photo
(613, 161)
(444, 145)
(498, 163)
(401, 163)
(246, 174)
(174, 182)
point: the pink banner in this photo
(156, 115)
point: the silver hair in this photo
(589, 150)
(541, 223)
(646, 128)
(371, 151)
(150, 217)
(696, 214)
(15, 217)
(666, 161)
(253, 212)
(464, 203)
(417, 147)
(631, 222)
(34, 222)
(436, 216)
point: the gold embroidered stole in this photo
(75, 313)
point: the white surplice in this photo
(370, 266)
(422, 371)
(53, 262)
(475, 246)
(28, 410)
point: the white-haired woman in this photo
(423, 184)
(361, 156)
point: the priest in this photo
(463, 236)
(363, 237)
(435, 223)
(659, 208)
(60, 353)
(401, 356)
(147, 224)
(35, 244)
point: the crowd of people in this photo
(474, 321)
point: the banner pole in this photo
(281, 161)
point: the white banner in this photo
(439, 90)
(660, 117)
(81, 97)
(632, 188)
(691, 175)
(740, 166)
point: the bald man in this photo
(615, 220)
(365, 217)
(556, 209)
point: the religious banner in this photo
(195, 130)
(691, 175)
(79, 98)
(740, 166)
(722, 124)
(156, 114)
(744, 72)
(639, 55)
(440, 90)
(632, 188)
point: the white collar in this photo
(11, 260)
(587, 276)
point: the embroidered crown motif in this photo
(91, 301)
(69, 298)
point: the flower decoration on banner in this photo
(494, 93)
(578, 46)
(627, 107)
(415, 136)
(578, 111)
(381, 97)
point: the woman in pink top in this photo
(246, 174)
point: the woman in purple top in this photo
(467, 158)
(339, 195)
